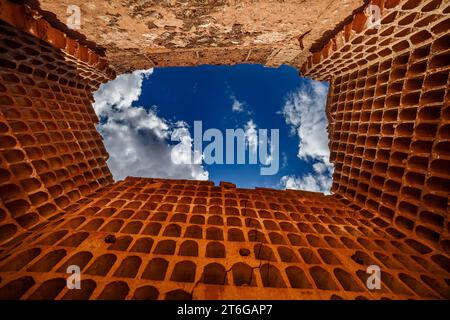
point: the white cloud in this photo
(182, 153)
(304, 111)
(251, 135)
(137, 139)
(284, 160)
(119, 93)
(237, 106)
(259, 147)
(310, 182)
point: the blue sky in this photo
(140, 111)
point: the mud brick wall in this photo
(389, 115)
(50, 152)
(171, 239)
(144, 34)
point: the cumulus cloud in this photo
(304, 112)
(317, 182)
(137, 139)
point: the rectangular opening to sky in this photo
(248, 124)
